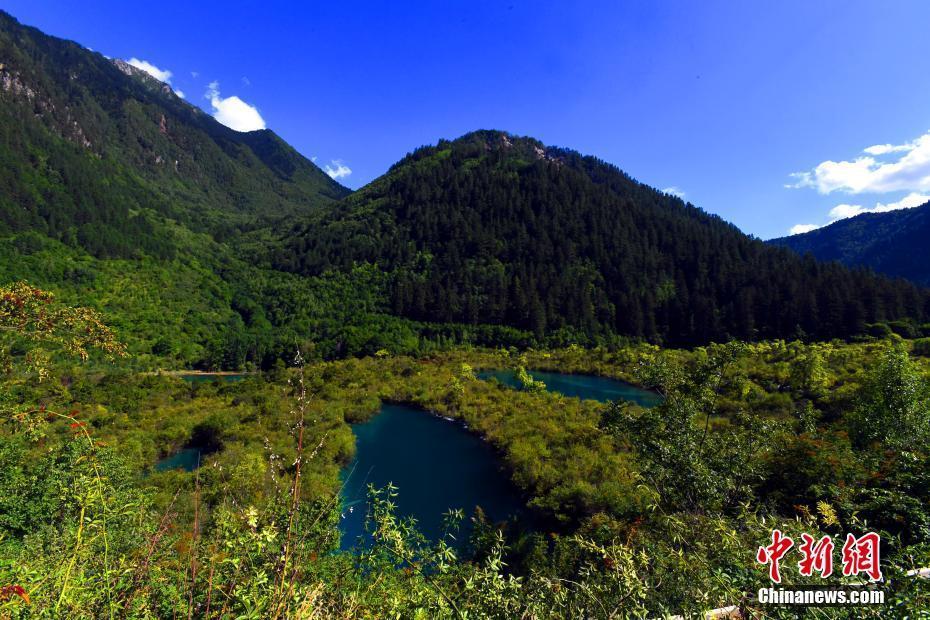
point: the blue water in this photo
(187, 459)
(436, 465)
(581, 386)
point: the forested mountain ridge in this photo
(496, 228)
(215, 248)
(509, 295)
(96, 153)
(893, 243)
(117, 194)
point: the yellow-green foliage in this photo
(662, 517)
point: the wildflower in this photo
(827, 513)
(7, 592)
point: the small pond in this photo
(580, 386)
(187, 459)
(436, 465)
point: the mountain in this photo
(893, 243)
(117, 194)
(213, 248)
(500, 229)
(98, 154)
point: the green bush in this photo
(922, 347)
(878, 330)
(905, 329)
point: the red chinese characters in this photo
(773, 554)
(862, 555)
(817, 556)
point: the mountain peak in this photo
(481, 142)
(144, 76)
(142, 154)
(499, 139)
(496, 228)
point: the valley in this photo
(502, 379)
(577, 469)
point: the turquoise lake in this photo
(580, 386)
(187, 459)
(436, 464)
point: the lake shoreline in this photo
(435, 468)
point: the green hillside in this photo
(117, 194)
(97, 153)
(138, 235)
(495, 228)
(892, 243)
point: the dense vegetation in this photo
(492, 228)
(892, 243)
(100, 155)
(637, 512)
(117, 194)
(197, 241)
(170, 241)
(212, 310)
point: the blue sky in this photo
(770, 114)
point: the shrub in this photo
(878, 330)
(922, 347)
(905, 329)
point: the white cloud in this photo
(843, 211)
(195, 75)
(336, 169)
(908, 202)
(883, 169)
(907, 169)
(884, 149)
(233, 111)
(162, 75)
(798, 229)
(675, 191)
